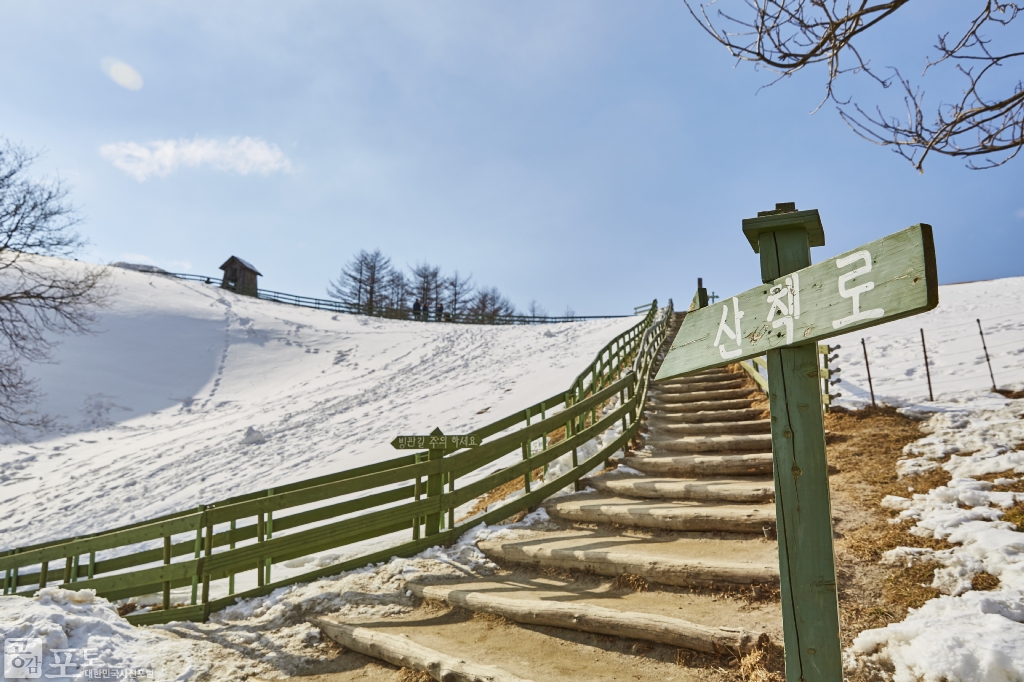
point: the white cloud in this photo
(242, 155)
(121, 73)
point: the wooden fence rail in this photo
(254, 531)
(405, 313)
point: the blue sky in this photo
(585, 154)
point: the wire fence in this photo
(421, 315)
(979, 353)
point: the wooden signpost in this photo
(799, 305)
(436, 444)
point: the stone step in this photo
(717, 375)
(657, 406)
(700, 396)
(669, 561)
(703, 386)
(722, 428)
(511, 599)
(741, 490)
(658, 463)
(670, 515)
(744, 414)
(748, 442)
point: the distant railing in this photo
(406, 313)
(249, 533)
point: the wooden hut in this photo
(239, 276)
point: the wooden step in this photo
(660, 407)
(747, 442)
(403, 652)
(670, 514)
(709, 377)
(743, 414)
(674, 561)
(703, 386)
(700, 465)
(713, 428)
(568, 611)
(740, 490)
(701, 396)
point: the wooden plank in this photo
(112, 540)
(146, 576)
(884, 280)
(238, 557)
(309, 495)
(470, 460)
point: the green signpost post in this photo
(436, 444)
(799, 305)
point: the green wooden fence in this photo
(824, 372)
(253, 532)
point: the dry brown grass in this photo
(1015, 515)
(863, 448)
(910, 586)
(984, 581)
(630, 581)
(409, 675)
(1012, 395)
(764, 664)
(492, 619)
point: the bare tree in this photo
(490, 305)
(362, 281)
(396, 290)
(569, 312)
(39, 297)
(459, 291)
(536, 310)
(984, 123)
(425, 284)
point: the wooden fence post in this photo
(167, 562)
(197, 550)
(810, 606)
(435, 487)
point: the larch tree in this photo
(363, 281)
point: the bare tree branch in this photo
(785, 36)
(39, 298)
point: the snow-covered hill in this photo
(151, 412)
(955, 353)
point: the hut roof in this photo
(244, 264)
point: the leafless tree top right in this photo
(984, 123)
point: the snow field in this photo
(157, 411)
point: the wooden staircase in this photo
(689, 511)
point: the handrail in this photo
(402, 313)
(248, 533)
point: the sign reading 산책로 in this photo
(885, 280)
(435, 442)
